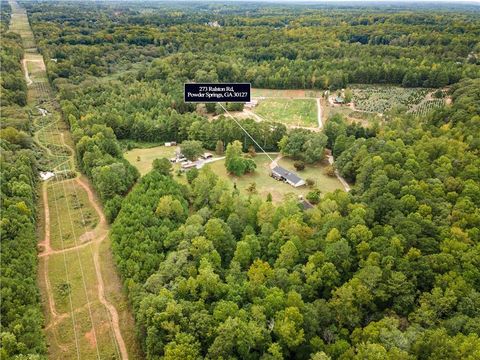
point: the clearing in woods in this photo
(142, 159)
(294, 108)
(86, 311)
(296, 112)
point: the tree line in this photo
(21, 317)
(273, 48)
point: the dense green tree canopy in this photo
(387, 271)
(21, 319)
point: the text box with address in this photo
(228, 92)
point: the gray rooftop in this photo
(294, 178)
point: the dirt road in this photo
(49, 141)
(319, 114)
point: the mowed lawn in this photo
(297, 112)
(265, 184)
(142, 158)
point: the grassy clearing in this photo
(298, 112)
(261, 177)
(59, 286)
(74, 201)
(265, 184)
(348, 114)
(62, 341)
(61, 336)
(115, 294)
(142, 158)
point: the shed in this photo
(188, 165)
(207, 155)
(289, 177)
(45, 175)
(339, 100)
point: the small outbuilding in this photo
(171, 143)
(45, 175)
(281, 174)
(339, 100)
(188, 165)
(305, 204)
(206, 156)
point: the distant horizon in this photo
(296, 2)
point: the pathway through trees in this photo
(81, 320)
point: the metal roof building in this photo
(289, 177)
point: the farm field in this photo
(371, 102)
(296, 112)
(427, 106)
(381, 99)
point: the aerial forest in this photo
(389, 270)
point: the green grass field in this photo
(297, 112)
(69, 198)
(86, 305)
(265, 184)
(142, 158)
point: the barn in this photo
(289, 177)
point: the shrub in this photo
(314, 196)
(299, 165)
(310, 182)
(330, 170)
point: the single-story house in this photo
(289, 177)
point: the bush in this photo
(310, 182)
(314, 196)
(330, 170)
(299, 165)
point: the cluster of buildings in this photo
(187, 164)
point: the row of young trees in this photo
(21, 318)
